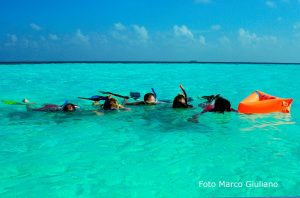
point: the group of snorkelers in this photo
(213, 103)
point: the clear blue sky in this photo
(139, 30)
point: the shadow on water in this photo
(26, 117)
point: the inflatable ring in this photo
(260, 102)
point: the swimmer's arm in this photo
(198, 114)
(28, 104)
(98, 113)
(123, 108)
(195, 117)
(30, 108)
(134, 103)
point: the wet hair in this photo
(110, 103)
(147, 96)
(178, 104)
(221, 105)
(65, 107)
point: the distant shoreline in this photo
(139, 62)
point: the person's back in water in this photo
(67, 107)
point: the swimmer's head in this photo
(222, 105)
(180, 102)
(149, 98)
(69, 107)
(111, 104)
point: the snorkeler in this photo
(181, 100)
(219, 105)
(149, 99)
(109, 102)
(215, 104)
(66, 107)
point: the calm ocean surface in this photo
(147, 151)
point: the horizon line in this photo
(146, 62)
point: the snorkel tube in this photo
(184, 93)
(155, 95)
(159, 101)
(186, 97)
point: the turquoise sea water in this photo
(147, 151)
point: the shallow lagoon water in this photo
(147, 151)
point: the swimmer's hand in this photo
(203, 105)
(96, 103)
(194, 119)
(98, 113)
(123, 108)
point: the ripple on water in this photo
(148, 151)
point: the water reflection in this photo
(265, 121)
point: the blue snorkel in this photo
(154, 93)
(159, 101)
(66, 102)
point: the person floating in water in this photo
(111, 104)
(66, 107)
(215, 104)
(181, 100)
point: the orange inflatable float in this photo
(260, 102)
